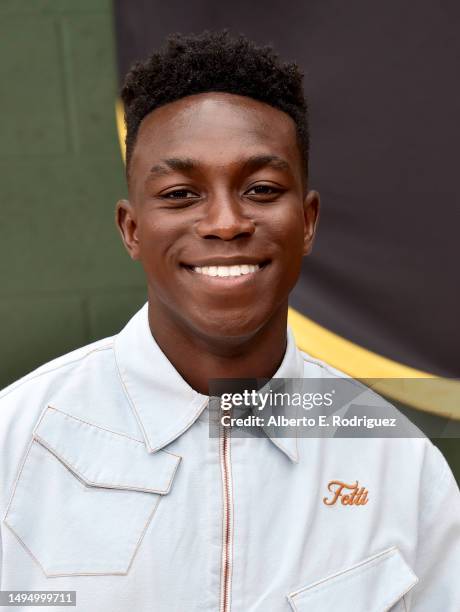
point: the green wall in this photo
(65, 277)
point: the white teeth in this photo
(227, 270)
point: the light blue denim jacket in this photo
(111, 486)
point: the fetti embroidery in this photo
(349, 494)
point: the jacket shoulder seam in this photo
(32, 376)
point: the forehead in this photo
(217, 129)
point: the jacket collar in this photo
(164, 404)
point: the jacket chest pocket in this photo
(85, 496)
(376, 584)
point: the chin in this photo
(231, 325)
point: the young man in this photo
(110, 484)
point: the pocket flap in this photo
(373, 585)
(102, 458)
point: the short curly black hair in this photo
(213, 61)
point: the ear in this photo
(311, 214)
(126, 220)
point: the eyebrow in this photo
(187, 164)
(184, 164)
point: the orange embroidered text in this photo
(349, 494)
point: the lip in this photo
(226, 261)
(223, 282)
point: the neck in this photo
(199, 358)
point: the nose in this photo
(224, 219)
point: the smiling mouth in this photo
(229, 271)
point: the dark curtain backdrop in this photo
(382, 80)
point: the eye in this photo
(179, 194)
(264, 192)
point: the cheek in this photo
(288, 232)
(157, 236)
(289, 236)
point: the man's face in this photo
(218, 213)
